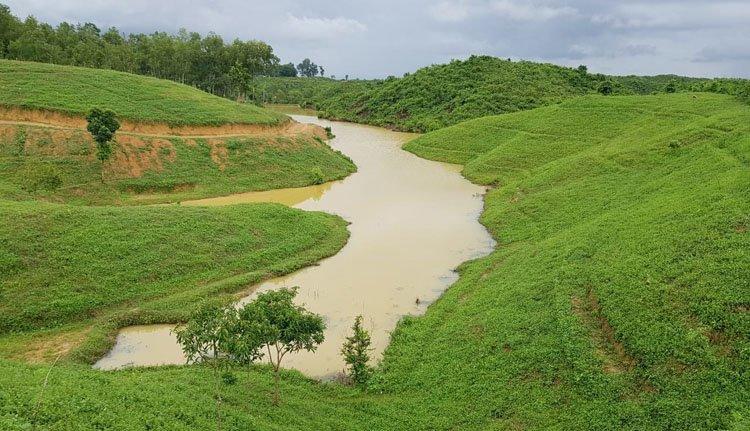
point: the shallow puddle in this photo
(412, 222)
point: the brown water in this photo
(412, 222)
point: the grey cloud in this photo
(390, 37)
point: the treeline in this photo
(207, 62)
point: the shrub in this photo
(606, 87)
(42, 176)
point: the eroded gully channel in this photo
(412, 222)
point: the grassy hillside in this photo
(618, 296)
(443, 95)
(437, 96)
(75, 90)
(61, 166)
(61, 264)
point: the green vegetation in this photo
(618, 295)
(356, 353)
(147, 169)
(617, 298)
(75, 90)
(307, 92)
(63, 264)
(102, 125)
(443, 95)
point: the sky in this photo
(374, 39)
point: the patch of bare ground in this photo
(46, 348)
(135, 154)
(615, 358)
(33, 117)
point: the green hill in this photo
(443, 95)
(617, 297)
(75, 90)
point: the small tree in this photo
(102, 124)
(356, 353)
(203, 340)
(275, 323)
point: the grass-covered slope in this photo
(446, 94)
(437, 96)
(61, 166)
(619, 294)
(62, 264)
(75, 90)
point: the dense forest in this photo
(207, 62)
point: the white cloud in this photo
(307, 28)
(450, 11)
(525, 11)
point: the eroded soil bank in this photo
(412, 222)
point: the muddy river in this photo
(412, 222)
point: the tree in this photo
(355, 351)
(275, 323)
(203, 340)
(583, 70)
(322, 71)
(671, 87)
(606, 87)
(307, 68)
(102, 124)
(287, 70)
(240, 81)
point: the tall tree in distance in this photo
(307, 68)
(102, 124)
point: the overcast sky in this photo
(390, 37)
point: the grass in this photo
(618, 295)
(75, 90)
(442, 95)
(147, 169)
(63, 264)
(617, 298)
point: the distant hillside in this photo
(75, 90)
(443, 95)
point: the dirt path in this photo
(288, 129)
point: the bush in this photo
(317, 175)
(606, 87)
(42, 176)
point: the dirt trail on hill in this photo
(17, 116)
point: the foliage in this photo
(309, 69)
(606, 88)
(204, 62)
(75, 90)
(272, 321)
(102, 125)
(206, 335)
(443, 95)
(356, 353)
